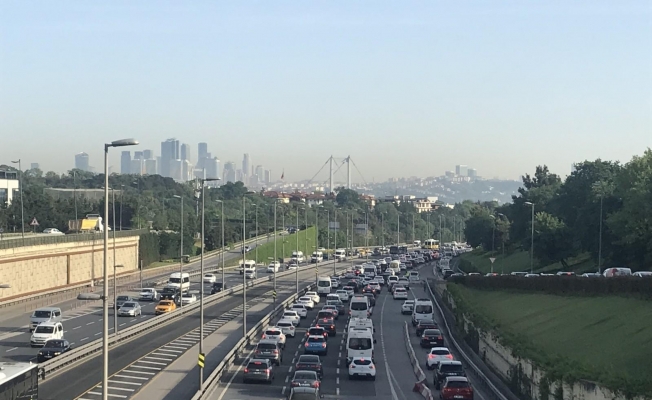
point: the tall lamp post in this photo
(335, 245)
(122, 197)
(223, 250)
(201, 274)
(275, 256)
(181, 248)
(22, 205)
(440, 235)
(74, 194)
(382, 229)
(601, 188)
(256, 238)
(528, 203)
(398, 229)
(296, 270)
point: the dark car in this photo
(258, 370)
(324, 314)
(337, 303)
(217, 287)
(53, 348)
(123, 299)
(305, 379)
(308, 362)
(328, 324)
(354, 284)
(317, 331)
(446, 369)
(270, 350)
(424, 324)
(431, 338)
(368, 289)
(171, 293)
(372, 299)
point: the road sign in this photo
(492, 259)
(34, 222)
(200, 361)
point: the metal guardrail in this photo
(487, 382)
(420, 385)
(95, 346)
(55, 239)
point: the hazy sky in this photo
(404, 87)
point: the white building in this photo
(9, 185)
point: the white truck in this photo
(359, 342)
(246, 264)
(317, 257)
(340, 255)
(297, 256)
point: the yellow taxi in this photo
(165, 306)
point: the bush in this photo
(148, 248)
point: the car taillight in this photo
(449, 356)
(264, 336)
(246, 370)
(349, 312)
(275, 352)
(332, 326)
(315, 384)
(323, 345)
(257, 351)
(294, 384)
(307, 344)
(371, 366)
(431, 356)
(352, 365)
(440, 337)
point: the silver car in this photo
(130, 309)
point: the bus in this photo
(398, 250)
(18, 381)
(431, 244)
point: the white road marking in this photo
(226, 387)
(90, 323)
(86, 338)
(77, 327)
(12, 349)
(382, 343)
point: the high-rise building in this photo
(268, 176)
(212, 168)
(246, 167)
(150, 167)
(81, 161)
(260, 175)
(34, 165)
(187, 171)
(158, 165)
(170, 152)
(148, 155)
(125, 162)
(137, 166)
(139, 155)
(229, 172)
(473, 173)
(185, 152)
(202, 150)
(461, 170)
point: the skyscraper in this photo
(260, 175)
(139, 155)
(202, 150)
(246, 167)
(473, 173)
(169, 154)
(212, 169)
(137, 166)
(35, 165)
(229, 172)
(150, 167)
(185, 152)
(125, 162)
(268, 176)
(461, 170)
(81, 161)
(148, 154)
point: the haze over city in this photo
(406, 88)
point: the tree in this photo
(347, 198)
(552, 239)
(478, 230)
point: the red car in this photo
(456, 387)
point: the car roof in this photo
(262, 360)
(49, 323)
(457, 378)
(48, 309)
(450, 362)
(272, 341)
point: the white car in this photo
(437, 355)
(52, 231)
(362, 367)
(300, 309)
(407, 307)
(349, 291)
(344, 295)
(188, 298)
(46, 331)
(274, 266)
(149, 294)
(210, 278)
(414, 276)
(275, 333)
(314, 296)
(292, 316)
(287, 327)
(400, 294)
(306, 301)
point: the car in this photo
(258, 370)
(405, 282)
(165, 306)
(375, 287)
(292, 265)
(328, 324)
(314, 296)
(424, 324)
(52, 231)
(414, 277)
(275, 333)
(130, 309)
(344, 295)
(362, 367)
(218, 287)
(446, 369)
(317, 331)
(309, 362)
(304, 393)
(407, 307)
(287, 327)
(269, 349)
(292, 316)
(53, 348)
(246, 249)
(437, 355)
(122, 299)
(274, 266)
(305, 379)
(306, 301)
(316, 344)
(149, 294)
(188, 298)
(371, 298)
(338, 304)
(210, 278)
(431, 337)
(350, 289)
(400, 294)
(46, 331)
(332, 309)
(456, 387)
(300, 309)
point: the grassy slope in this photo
(267, 250)
(607, 333)
(520, 261)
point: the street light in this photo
(398, 229)
(600, 187)
(335, 244)
(22, 206)
(201, 274)
(223, 251)
(528, 203)
(382, 229)
(296, 270)
(181, 248)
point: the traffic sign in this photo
(492, 259)
(34, 222)
(200, 361)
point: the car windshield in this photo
(284, 324)
(298, 306)
(266, 346)
(323, 284)
(360, 343)
(359, 305)
(54, 344)
(44, 329)
(272, 333)
(187, 295)
(316, 339)
(290, 314)
(432, 332)
(457, 384)
(42, 314)
(165, 303)
(426, 322)
(128, 305)
(451, 368)
(440, 352)
(257, 365)
(362, 361)
(309, 359)
(123, 298)
(305, 375)
(208, 275)
(316, 331)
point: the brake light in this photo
(323, 345)
(264, 336)
(307, 344)
(294, 384)
(315, 384)
(275, 352)
(352, 365)
(449, 356)
(431, 356)
(440, 337)
(246, 370)
(371, 366)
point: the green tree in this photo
(553, 240)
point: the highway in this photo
(88, 374)
(83, 324)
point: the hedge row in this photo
(631, 287)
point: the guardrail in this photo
(485, 380)
(95, 346)
(420, 385)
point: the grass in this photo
(266, 250)
(611, 336)
(520, 261)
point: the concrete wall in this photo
(34, 269)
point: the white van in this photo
(340, 255)
(359, 307)
(250, 271)
(359, 343)
(324, 285)
(246, 264)
(395, 265)
(370, 270)
(176, 280)
(423, 309)
(297, 256)
(317, 257)
(362, 323)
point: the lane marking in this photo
(12, 349)
(226, 387)
(77, 327)
(86, 338)
(382, 344)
